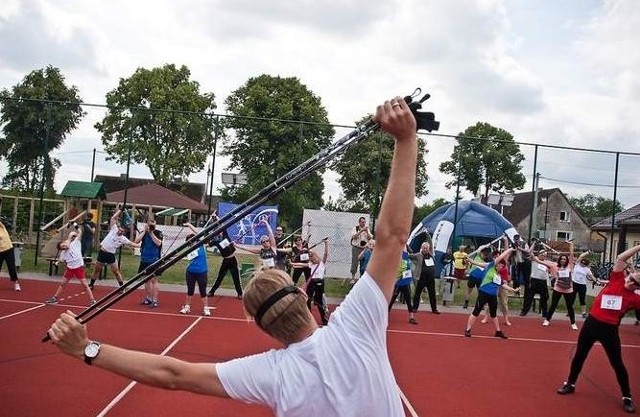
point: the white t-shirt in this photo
(579, 275)
(112, 241)
(73, 256)
(341, 370)
(539, 271)
(317, 270)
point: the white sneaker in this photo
(186, 309)
(545, 323)
(206, 311)
(16, 287)
(574, 327)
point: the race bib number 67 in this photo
(611, 302)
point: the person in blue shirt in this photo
(365, 255)
(403, 285)
(150, 240)
(488, 291)
(196, 274)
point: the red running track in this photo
(439, 372)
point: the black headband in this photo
(274, 298)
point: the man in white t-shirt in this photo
(108, 248)
(306, 378)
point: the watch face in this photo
(92, 349)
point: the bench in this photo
(53, 266)
(536, 299)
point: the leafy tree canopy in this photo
(159, 116)
(364, 170)
(264, 146)
(492, 163)
(36, 116)
(593, 207)
(420, 212)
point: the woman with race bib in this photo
(268, 248)
(620, 295)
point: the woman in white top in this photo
(563, 287)
(581, 273)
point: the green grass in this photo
(175, 274)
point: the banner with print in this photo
(247, 230)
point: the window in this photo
(560, 235)
(565, 216)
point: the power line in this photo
(224, 115)
(588, 184)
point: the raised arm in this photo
(621, 260)
(114, 219)
(326, 249)
(272, 239)
(394, 221)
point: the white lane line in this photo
(407, 404)
(520, 339)
(129, 387)
(22, 311)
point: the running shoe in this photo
(584, 315)
(467, 333)
(413, 321)
(500, 335)
(52, 300)
(566, 388)
(574, 326)
(628, 405)
(545, 323)
(146, 301)
(154, 304)
(186, 309)
(206, 311)
(16, 287)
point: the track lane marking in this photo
(22, 311)
(132, 384)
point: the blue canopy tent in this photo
(472, 221)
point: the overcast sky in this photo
(550, 72)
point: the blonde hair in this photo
(284, 319)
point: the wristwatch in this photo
(91, 351)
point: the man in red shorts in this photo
(72, 255)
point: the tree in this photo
(265, 147)
(492, 163)
(342, 204)
(364, 170)
(37, 115)
(593, 207)
(159, 117)
(420, 212)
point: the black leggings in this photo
(430, 284)
(201, 279)
(231, 265)
(536, 286)
(299, 271)
(315, 294)
(406, 293)
(10, 257)
(581, 291)
(568, 300)
(484, 298)
(593, 331)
